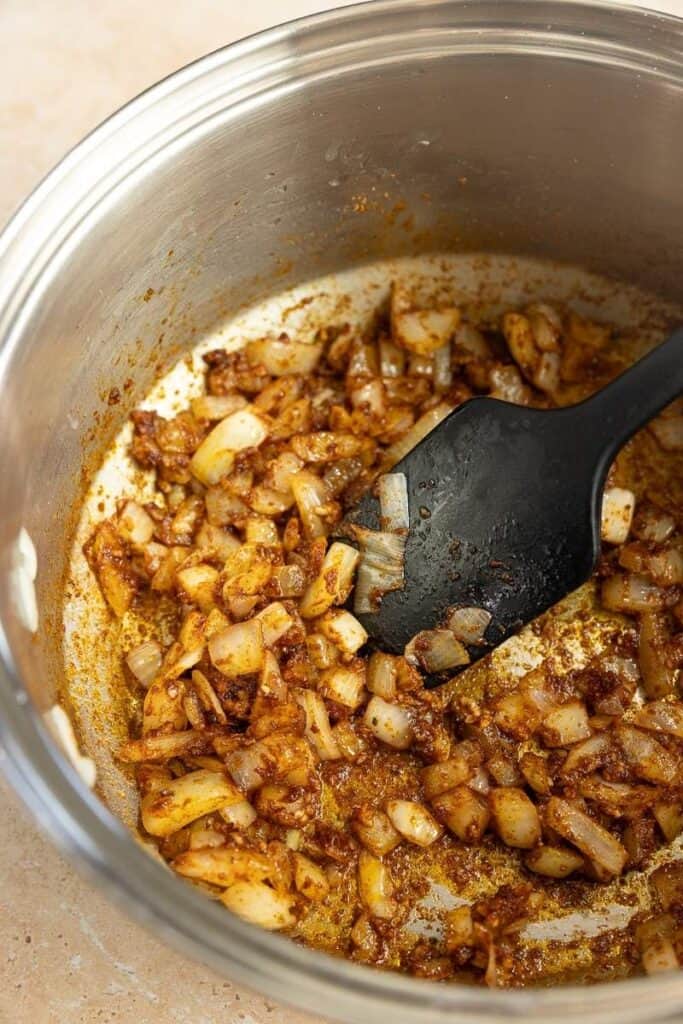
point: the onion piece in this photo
(439, 778)
(309, 878)
(375, 830)
(393, 501)
(468, 624)
(464, 812)
(185, 799)
(661, 716)
(436, 650)
(669, 817)
(443, 374)
(515, 817)
(134, 524)
(566, 724)
(507, 385)
(553, 861)
(631, 593)
(390, 723)
(239, 649)
(216, 407)
(216, 454)
(343, 685)
(275, 621)
(382, 675)
(257, 903)
(669, 432)
(423, 330)
(343, 629)
(648, 758)
(570, 822)
(198, 583)
(618, 506)
(659, 675)
(281, 357)
(459, 928)
(333, 582)
(318, 729)
(381, 567)
(144, 661)
(652, 524)
(240, 815)
(310, 494)
(426, 423)
(587, 756)
(375, 887)
(413, 821)
(392, 359)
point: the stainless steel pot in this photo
(553, 128)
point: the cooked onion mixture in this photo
(315, 787)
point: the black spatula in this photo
(505, 503)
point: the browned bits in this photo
(317, 788)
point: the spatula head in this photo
(504, 515)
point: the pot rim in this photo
(42, 233)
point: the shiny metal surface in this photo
(550, 128)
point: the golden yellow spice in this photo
(305, 782)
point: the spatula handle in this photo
(609, 418)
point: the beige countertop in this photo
(66, 955)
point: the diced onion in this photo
(289, 580)
(144, 661)
(382, 675)
(413, 821)
(375, 830)
(261, 530)
(309, 878)
(426, 423)
(198, 583)
(592, 839)
(566, 724)
(423, 330)
(443, 374)
(135, 524)
(393, 501)
(618, 506)
(257, 903)
(281, 357)
(216, 454)
(468, 624)
(343, 685)
(631, 593)
(381, 568)
(390, 723)
(318, 729)
(392, 359)
(648, 758)
(216, 407)
(275, 621)
(374, 886)
(185, 799)
(669, 432)
(333, 582)
(661, 716)
(553, 861)
(344, 630)
(464, 812)
(239, 649)
(515, 817)
(240, 815)
(436, 650)
(659, 675)
(310, 495)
